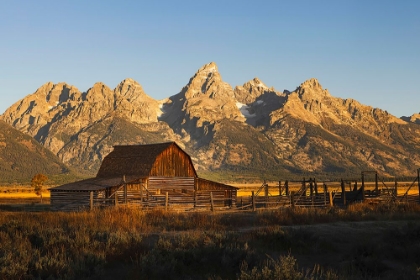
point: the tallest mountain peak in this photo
(209, 68)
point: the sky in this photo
(365, 50)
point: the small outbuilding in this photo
(150, 175)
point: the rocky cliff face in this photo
(415, 118)
(251, 128)
(78, 126)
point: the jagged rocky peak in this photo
(208, 82)
(130, 89)
(39, 108)
(102, 95)
(250, 91)
(415, 118)
(52, 94)
(257, 83)
(312, 90)
(205, 100)
(208, 68)
(134, 104)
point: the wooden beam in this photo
(418, 181)
(280, 190)
(331, 199)
(91, 200)
(166, 201)
(211, 202)
(343, 192)
(253, 200)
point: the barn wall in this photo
(173, 162)
(221, 190)
(73, 201)
(171, 183)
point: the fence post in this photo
(331, 199)
(253, 201)
(418, 180)
(195, 198)
(396, 188)
(166, 201)
(292, 199)
(316, 187)
(91, 200)
(125, 193)
(311, 187)
(141, 195)
(211, 202)
(376, 184)
(115, 198)
(286, 185)
(266, 194)
(363, 186)
(280, 190)
(343, 192)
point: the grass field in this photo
(363, 242)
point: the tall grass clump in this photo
(58, 245)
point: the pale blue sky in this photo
(365, 50)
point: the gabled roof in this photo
(133, 159)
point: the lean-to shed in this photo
(147, 175)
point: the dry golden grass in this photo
(23, 195)
(129, 243)
(21, 192)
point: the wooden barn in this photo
(153, 175)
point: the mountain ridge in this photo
(249, 127)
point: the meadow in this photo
(363, 241)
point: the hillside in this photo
(21, 157)
(250, 131)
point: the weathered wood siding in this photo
(218, 190)
(73, 201)
(173, 162)
(171, 183)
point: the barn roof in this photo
(133, 159)
(93, 184)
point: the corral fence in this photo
(215, 200)
(311, 193)
(301, 193)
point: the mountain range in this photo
(250, 131)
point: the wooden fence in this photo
(310, 193)
(169, 200)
